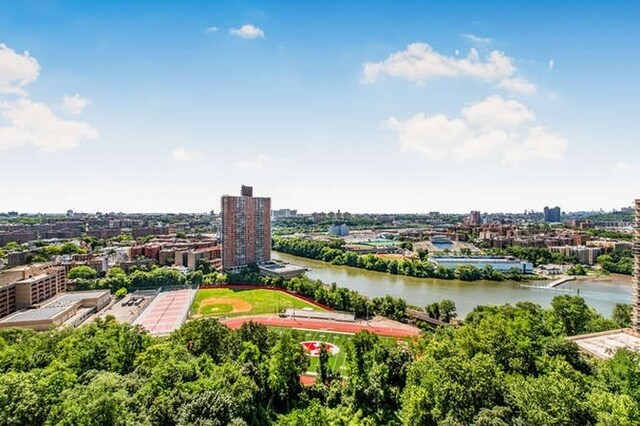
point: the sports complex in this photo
(233, 305)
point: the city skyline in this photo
(492, 107)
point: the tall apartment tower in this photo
(552, 214)
(246, 229)
(636, 271)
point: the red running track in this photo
(341, 327)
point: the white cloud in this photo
(552, 64)
(518, 85)
(497, 113)
(477, 40)
(182, 154)
(24, 121)
(444, 133)
(210, 30)
(419, 63)
(540, 142)
(627, 167)
(75, 104)
(255, 162)
(16, 71)
(247, 31)
(492, 128)
(34, 123)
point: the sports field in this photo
(338, 341)
(233, 302)
(337, 346)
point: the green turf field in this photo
(234, 302)
(338, 339)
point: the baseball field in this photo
(234, 302)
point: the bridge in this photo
(413, 314)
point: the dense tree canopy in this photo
(506, 365)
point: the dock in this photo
(561, 281)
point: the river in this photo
(601, 293)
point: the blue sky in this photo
(389, 107)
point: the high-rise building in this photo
(636, 271)
(474, 218)
(246, 229)
(552, 215)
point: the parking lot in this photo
(128, 308)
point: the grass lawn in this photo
(338, 339)
(231, 302)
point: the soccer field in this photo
(233, 302)
(339, 340)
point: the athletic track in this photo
(340, 327)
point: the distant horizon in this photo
(64, 213)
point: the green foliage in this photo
(506, 365)
(609, 233)
(82, 272)
(331, 251)
(622, 314)
(577, 269)
(574, 314)
(619, 262)
(445, 310)
(549, 400)
(287, 362)
(120, 293)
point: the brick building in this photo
(246, 229)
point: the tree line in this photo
(331, 251)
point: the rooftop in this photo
(68, 299)
(33, 279)
(34, 314)
(604, 345)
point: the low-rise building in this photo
(499, 263)
(67, 309)
(25, 286)
(281, 270)
(585, 255)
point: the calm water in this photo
(600, 292)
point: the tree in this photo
(615, 410)
(208, 336)
(457, 387)
(287, 362)
(433, 310)
(572, 312)
(447, 310)
(622, 314)
(82, 272)
(120, 293)
(324, 369)
(423, 254)
(103, 401)
(577, 269)
(549, 400)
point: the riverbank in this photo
(601, 292)
(334, 253)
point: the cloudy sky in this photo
(393, 107)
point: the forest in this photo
(506, 365)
